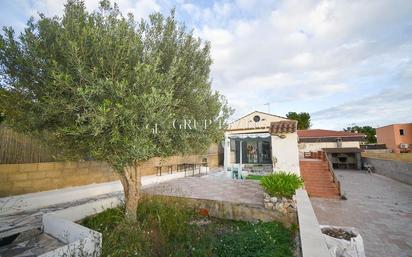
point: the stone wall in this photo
(34, 177)
(397, 170)
(25, 178)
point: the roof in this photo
(396, 124)
(288, 126)
(342, 150)
(321, 133)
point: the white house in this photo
(261, 142)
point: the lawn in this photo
(170, 228)
(254, 177)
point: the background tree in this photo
(369, 131)
(303, 119)
(95, 84)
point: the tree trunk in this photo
(131, 181)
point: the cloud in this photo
(343, 61)
(311, 55)
(140, 8)
(386, 107)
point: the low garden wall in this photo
(403, 157)
(25, 178)
(397, 170)
(312, 240)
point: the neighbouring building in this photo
(342, 147)
(397, 137)
(261, 142)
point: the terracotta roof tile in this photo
(316, 133)
(283, 127)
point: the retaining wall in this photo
(25, 178)
(397, 170)
(313, 243)
(403, 157)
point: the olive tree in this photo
(105, 86)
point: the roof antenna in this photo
(268, 104)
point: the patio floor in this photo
(379, 207)
(211, 188)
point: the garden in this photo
(166, 227)
(170, 226)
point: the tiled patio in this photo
(381, 208)
(211, 188)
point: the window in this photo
(256, 118)
(401, 132)
(254, 151)
(232, 145)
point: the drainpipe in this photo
(240, 164)
(226, 152)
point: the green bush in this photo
(281, 184)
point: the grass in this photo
(254, 177)
(171, 228)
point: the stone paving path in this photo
(212, 188)
(381, 209)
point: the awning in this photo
(252, 135)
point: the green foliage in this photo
(369, 131)
(254, 177)
(95, 84)
(168, 227)
(255, 240)
(281, 184)
(303, 119)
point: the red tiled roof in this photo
(288, 126)
(318, 133)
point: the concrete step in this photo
(318, 180)
(321, 189)
(329, 196)
(318, 184)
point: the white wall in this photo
(247, 122)
(317, 146)
(285, 150)
(78, 240)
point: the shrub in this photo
(281, 184)
(169, 227)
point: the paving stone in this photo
(212, 188)
(379, 207)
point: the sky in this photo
(345, 62)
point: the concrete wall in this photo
(403, 157)
(25, 178)
(312, 240)
(390, 135)
(248, 125)
(317, 146)
(78, 240)
(285, 150)
(397, 170)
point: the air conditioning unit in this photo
(403, 146)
